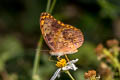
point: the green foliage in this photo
(79, 75)
(108, 9)
(10, 48)
(20, 33)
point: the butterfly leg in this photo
(50, 59)
(67, 57)
(58, 58)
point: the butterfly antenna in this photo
(44, 50)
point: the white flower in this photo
(70, 66)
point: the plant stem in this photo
(48, 6)
(116, 51)
(52, 6)
(35, 75)
(37, 59)
(114, 60)
(70, 75)
(68, 71)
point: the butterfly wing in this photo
(61, 38)
(49, 28)
(69, 39)
(73, 37)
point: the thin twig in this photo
(114, 60)
(52, 6)
(68, 71)
(70, 75)
(37, 55)
(37, 59)
(48, 6)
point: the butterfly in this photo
(61, 38)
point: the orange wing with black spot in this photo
(61, 38)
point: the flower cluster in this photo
(63, 65)
(112, 48)
(105, 70)
(91, 75)
(112, 43)
(109, 54)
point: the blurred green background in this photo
(99, 20)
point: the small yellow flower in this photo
(61, 63)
